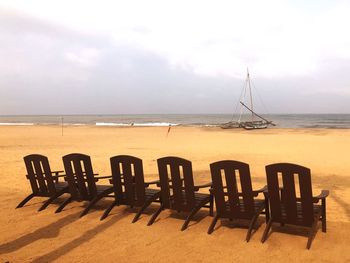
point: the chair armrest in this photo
(156, 182)
(261, 190)
(322, 195)
(102, 177)
(197, 187)
(57, 173)
(169, 181)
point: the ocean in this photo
(335, 121)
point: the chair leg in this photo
(193, 212)
(66, 202)
(155, 215)
(52, 198)
(312, 233)
(25, 200)
(213, 223)
(324, 219)
(211, 209)
(147, 203)
(94, 201)
(251, 225)
(108, 210)
(266, 231)
(267, 209)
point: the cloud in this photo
(120, 59)
(85, 57)
(274, 38)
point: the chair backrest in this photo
(284, 202)
(177, 194)
(80, 176)
(230, 200)
(39, 175)
(128, 179)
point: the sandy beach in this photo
(30, 236)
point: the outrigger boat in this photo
(257, 121)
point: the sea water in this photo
(203, 120)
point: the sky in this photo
(184, 56)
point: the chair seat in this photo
(258, 205)
(198, 198)
(317, 211)
(102, 188)
(150, 192)
(61, 185)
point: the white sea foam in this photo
(146, 124)
(159, 124)
(16, 124)
(112, 124)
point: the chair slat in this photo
(306, 196)
(289, 196)
(164, 182)
(188, 184)
(274, 191)
(28, 160)
(80, 179)
(218, 188)
(117, 178)
(178, 201)
(246, 185)
(139, 181)
(232, 189)
(40, 177)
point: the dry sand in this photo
(30, 236)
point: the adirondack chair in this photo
(288, 208)
(82, 182)
(129, 185)
(43, 181)
(178, 191)
(230, 202)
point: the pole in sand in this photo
(62, 124)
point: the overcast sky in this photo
(119, 57)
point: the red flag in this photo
(168, 130)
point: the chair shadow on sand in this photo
(239, 224)
(49, 231)
(85, 237)
(197, 218)
(52, 231)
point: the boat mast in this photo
(250, 94)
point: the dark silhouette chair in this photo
(82, 182)
(43, 181)
(288, 208)
(129, 185)
(232, 203)
(178, 191)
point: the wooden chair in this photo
(288, 208)
(43, 181)
(232, 203)
(129, 185)
(82, 181)
(179, 192)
